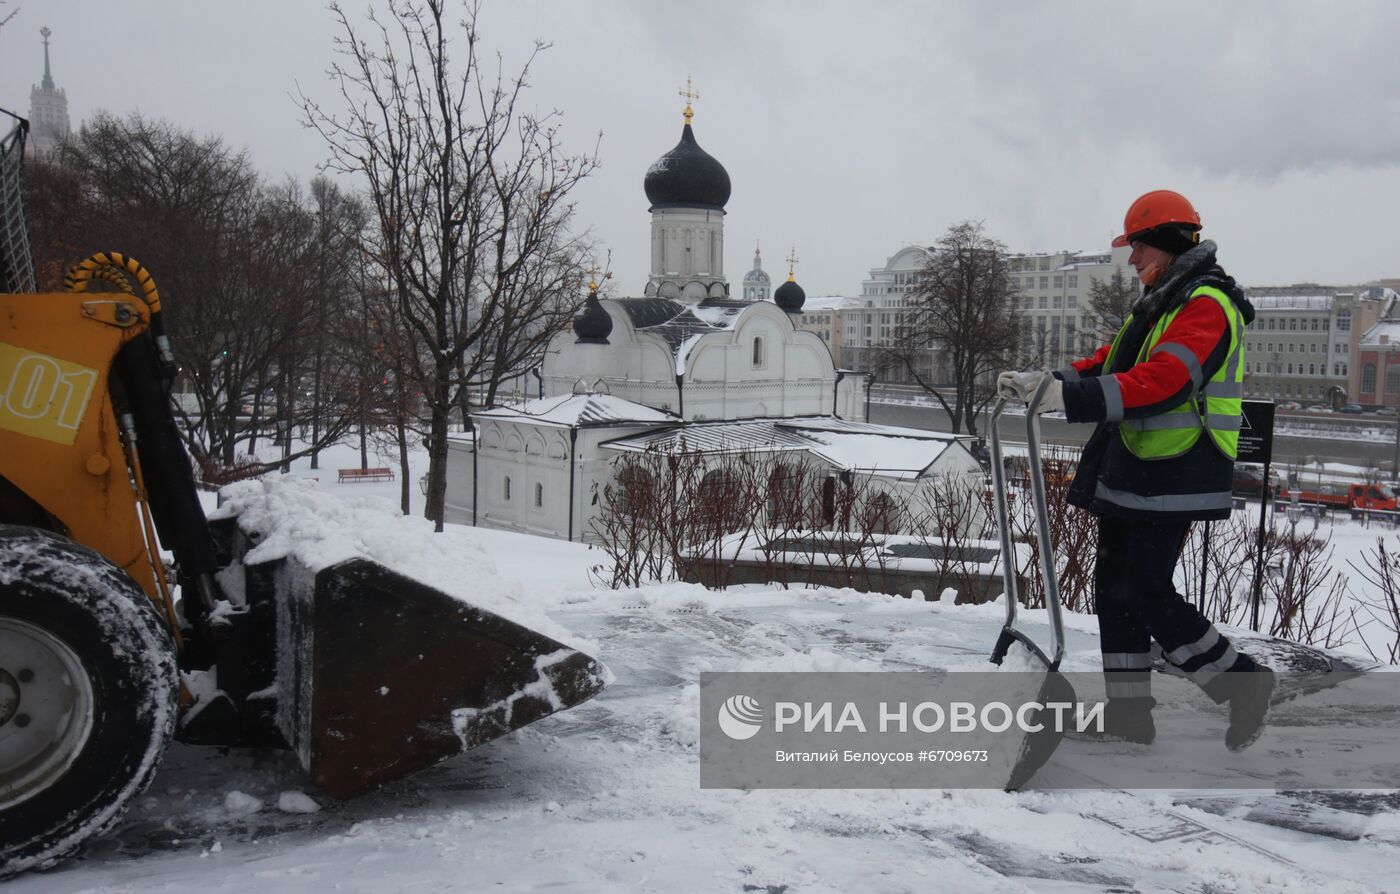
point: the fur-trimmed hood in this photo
(1196, 268)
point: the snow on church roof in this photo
(681, 325)
(855, 446)
(579, 410)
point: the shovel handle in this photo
(1009, 632)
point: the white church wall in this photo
(457, 505)
(521, 478)
(850, 393)
(634, 366)
(536, 460)
(761, 367)
(685, 243)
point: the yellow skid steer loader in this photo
(94, 482)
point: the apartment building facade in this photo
(1053, 296)
(1305, 341)
(1377, 370)
(1050, 289)
(823, 316)
(870, 321)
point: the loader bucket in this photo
(380, 675)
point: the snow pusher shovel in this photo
(372, 675)
(1037, 747)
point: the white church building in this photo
(686, 358)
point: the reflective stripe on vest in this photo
(1214, 407)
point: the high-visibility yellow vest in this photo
(1213, 406)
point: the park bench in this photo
(382, 473)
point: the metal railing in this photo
(16, 262)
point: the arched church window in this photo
(758, 358)
(539, 496)
(505, 490)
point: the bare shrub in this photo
(1303, 598)
(1381, 569)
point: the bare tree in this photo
(962, 311)
(5, 19)
(236, 261)
(1109, 302)
(470, 193)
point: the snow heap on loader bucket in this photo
(378, 674)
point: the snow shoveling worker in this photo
(1166, 395)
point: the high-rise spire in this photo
(47, 83)
(48, 110)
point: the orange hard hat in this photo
(1153, 209)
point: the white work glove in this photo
(1006, 384)
(1022, 386)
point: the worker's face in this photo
(1150, 262)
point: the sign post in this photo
(1257, 446)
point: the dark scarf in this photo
(1190, 271)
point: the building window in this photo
(1392, 380)
(1045, 282)
(1314, 324)
(1074, 281)
(1270, 324)
(539, 496)
(1044, 302)
(1368, 376)
(505, 492)
(758, 353)
(1344, 321)
(1293, 325)
(1059, 282)
(1312, 369)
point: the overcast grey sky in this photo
(851, 129)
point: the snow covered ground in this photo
(606, 797)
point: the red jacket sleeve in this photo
(1087, 366)
(1189, 352)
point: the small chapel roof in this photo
(855, 446)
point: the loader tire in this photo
(88, 670)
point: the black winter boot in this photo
(1124, 720)
(1249, 703)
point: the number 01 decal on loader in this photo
(42, 396)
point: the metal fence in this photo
(16, 263)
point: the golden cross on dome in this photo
(593, 272)
(792, 262)
(690, 94)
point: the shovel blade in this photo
(1037, 747)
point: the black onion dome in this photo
(592, 324)
(790, 297)
(687, 175)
